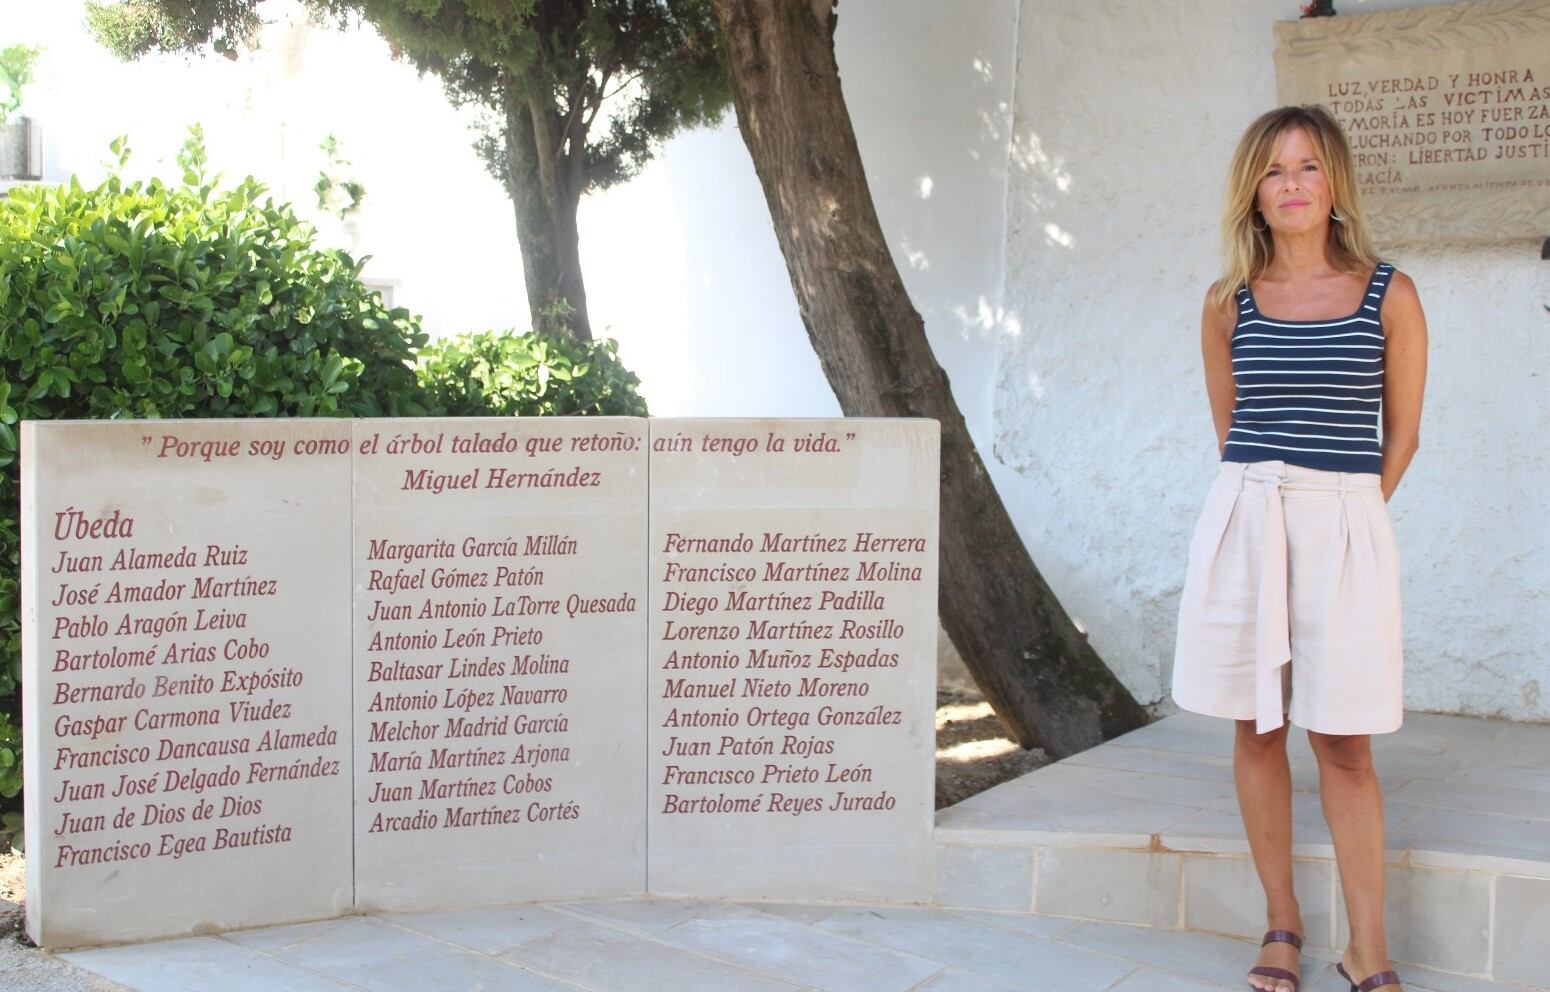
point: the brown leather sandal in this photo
(1369, 983)
(1269, 971)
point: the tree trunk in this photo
(545, 204)
(1044, 680)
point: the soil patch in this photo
(973, 752)
(13, 886)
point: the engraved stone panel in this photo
(500, 671)
(1447, 109)
(278, 670)
(187, 689)
(792, 641)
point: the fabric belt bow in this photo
(1273, 638)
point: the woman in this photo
(1291, 611)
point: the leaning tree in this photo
(576, 94)
(1036, 668)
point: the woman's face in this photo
(1294, 195)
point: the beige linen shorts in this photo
(1292, 592)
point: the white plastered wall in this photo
(1126, 115)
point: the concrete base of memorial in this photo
(1145, 830)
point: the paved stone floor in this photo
(691, 946)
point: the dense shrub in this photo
(149, 300)
(527, 375)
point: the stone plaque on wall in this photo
(1447, 109)
(792, 640)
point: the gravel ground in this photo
(24, 968)
(27, 969)
(972, 755)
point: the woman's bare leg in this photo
(1353, 808)
(1264, 781)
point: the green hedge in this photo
(526, 375)
(148, 300)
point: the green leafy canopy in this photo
(16, 62)
(656, 64)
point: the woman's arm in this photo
(1216, 324)
(1404, 378)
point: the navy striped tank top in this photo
(1309, 391)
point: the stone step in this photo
(1144, 829)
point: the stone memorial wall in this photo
(288, 669)
(1447, 108)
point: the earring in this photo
(1258, 227)
(1335, 217)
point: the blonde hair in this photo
(1248, 249)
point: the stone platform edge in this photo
(1472, 915)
